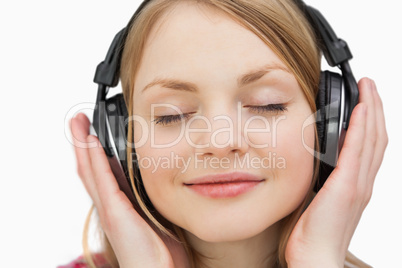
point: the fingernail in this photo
(76, 115)
(373, 85)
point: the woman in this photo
(244, 77)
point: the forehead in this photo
(195, 40)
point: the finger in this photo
(370, 139)
(80, 131)
(382, 136)
(345, 174)
(108, 190)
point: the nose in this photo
(220, 135)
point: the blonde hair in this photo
(284, 29)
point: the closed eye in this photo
(171, 119)
(268, 108)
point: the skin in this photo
(213, 57)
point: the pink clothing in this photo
(81, 263)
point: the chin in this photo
(214, 231)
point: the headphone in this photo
(332, 118)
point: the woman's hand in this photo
(134, 242)
(322, 235)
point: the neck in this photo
(257, 252)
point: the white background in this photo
(49, 51)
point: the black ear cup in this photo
(117, 114)
(328, 122)
(320, 102)
(118, 123)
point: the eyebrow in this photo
(242, 81)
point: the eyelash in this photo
(279, 107)
(169, 119)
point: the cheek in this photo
(157, 167)
(292, 145)
(161, 169)
(157, 176)
(291, 164)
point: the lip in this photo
(224, 185)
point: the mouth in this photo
(224, 185)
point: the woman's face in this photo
(243, 111)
